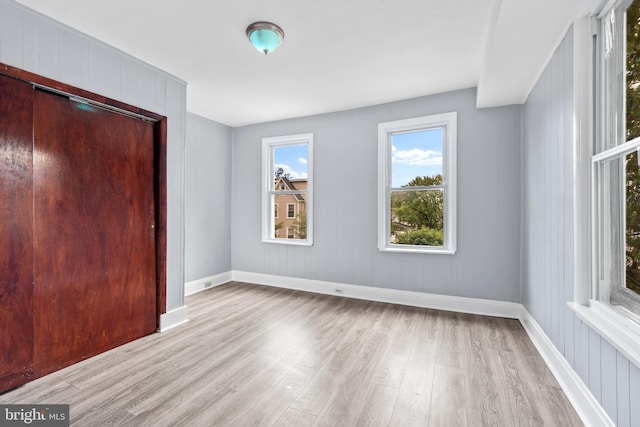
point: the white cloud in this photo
(302, 161)
(288, 170)
(416, 157)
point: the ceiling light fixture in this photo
(265, 36)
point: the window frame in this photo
(620, 329)
(448, 121)
(269, 144)
(603, 288)
(291, 207)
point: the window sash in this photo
(610, 322)
(609, 170)
(443, 215)
(272, 190)
(446, 121)
(390, 190)
(609, 189)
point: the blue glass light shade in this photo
(265, 36)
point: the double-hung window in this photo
(616, 162)
(287, 180)
(610, 304)
(417, 184)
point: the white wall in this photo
(547, 246)
(208, 198)
(36, 43)
(487, 263)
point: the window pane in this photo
(613, 65)
(628, 292)
(619, 231)
(417, 184)
(633, 71)
(417, 217)
(416, 154)
(290, 162)
(610, 233)
(287, 199)
(294, 226)
(633, 131)
(633, 223)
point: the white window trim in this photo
(447, 120)
(617, 329)
(294, 210)
(268, 143)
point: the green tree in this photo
(424, 236)
(300, 226)
(420, 208)
(417, 216)
(633, 131)
(633, 70)
(277, 227)
(279, 173)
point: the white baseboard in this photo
(206, 283)
(173, 318)
(415, 299)
(587, 407)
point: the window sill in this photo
(417, 250)
(620, 331)
(293, 242)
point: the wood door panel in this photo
(16, 229)
(95, 265)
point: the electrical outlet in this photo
(338, 291)
(208, 284)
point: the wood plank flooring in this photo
(260, 356)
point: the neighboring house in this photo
(289, 208)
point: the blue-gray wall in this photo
(515, 217)
(208, 198)
(487, 264)
(33, 42)
(547, 242)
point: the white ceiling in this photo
(337, 54)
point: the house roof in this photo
(291, 187)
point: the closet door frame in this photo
(160, 163)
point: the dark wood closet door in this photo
(16, 220)
(95, 267)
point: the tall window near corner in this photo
(287, 180)
(417, 184)
(616, 163)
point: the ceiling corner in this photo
(522, 41)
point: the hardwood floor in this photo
(254, 355)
